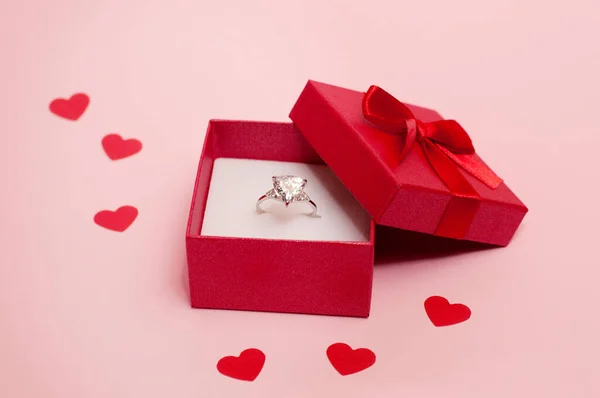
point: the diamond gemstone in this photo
(288, 187)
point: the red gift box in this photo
(406, 166)
(409, 168)
(276, 273)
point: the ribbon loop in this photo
(451, 135)
(384, 111)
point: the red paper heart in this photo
(442, 313)
(348, 361)
(71, 108)
(118, 148)
(247, 366)
(118, 220)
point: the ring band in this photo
(287, 189)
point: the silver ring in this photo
(287, 189)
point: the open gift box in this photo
(369, 159)
(281, 261)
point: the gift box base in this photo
(276, 262)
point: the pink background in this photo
(87, 312)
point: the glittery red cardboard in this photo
(317, 277)
(406, 194)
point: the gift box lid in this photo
(397, 187)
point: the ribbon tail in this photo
(465, 200)
(475, 166)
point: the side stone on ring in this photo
(287, 189)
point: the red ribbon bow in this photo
(447, 147)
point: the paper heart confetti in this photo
(247, 366)
(71, 108)
(442, 313)
(118, 148)
(118, 220)
(348, 361)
